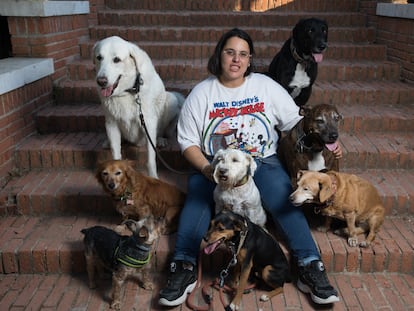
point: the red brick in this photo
(8, 299)
(394, 255)
(28, 291)
(347, 292)
(52, 256)
(39, 257)
(57, 292)
(10, 263)
(339, 261)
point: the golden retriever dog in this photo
(343, 196)
(138, 196)
(129, 87)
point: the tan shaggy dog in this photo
(138, 196)
(343, 196)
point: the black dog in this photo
(295, 67)
(255, 249)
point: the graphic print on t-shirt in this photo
(239, 125)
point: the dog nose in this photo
(333, 136)
(111, 186)
(322, 46)
(223, 171)
(102, 81)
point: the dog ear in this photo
(304, 111)
(143, 232)
(131, 225)
(218, 154)
(252, 164)
(213, 164)
(95, 46)
(142, 61)
(99, 169)
(300, 174)
(325, 189)
(129, 169)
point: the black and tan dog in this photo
(309, 145)
(125, 256)
(255, 249)
(295, 66)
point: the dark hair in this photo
(214, 63)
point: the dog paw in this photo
(162, 142)
(264, 297)
(116, 305)
(364, 244)
(120, 229)
(92, 285)
(353, 241)
(106, 144)
(234, 307)
(322, 229)
(148, 285)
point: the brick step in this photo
(237, 5)
(63, 191)
(393, 150)
(357, 291)
(82, 150)
(184, 69)
(194, 51)
(89, 117)
(213, 33)
(328, 92)
(45, 245)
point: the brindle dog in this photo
(309, 145)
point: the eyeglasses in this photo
(233, 53)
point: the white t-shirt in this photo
(217, 117)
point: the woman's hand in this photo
(338, 152)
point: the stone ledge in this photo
(396, 10)
(15, 72)
(43, 8)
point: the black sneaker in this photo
(181, 281)
(314, 281)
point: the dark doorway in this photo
(5, 41)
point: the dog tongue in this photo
(332, 147)
(106, 92)
(317, 57)
(211, 247)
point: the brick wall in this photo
(17, 112)
(57, 37)
(397, 34)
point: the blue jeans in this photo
(274, 187)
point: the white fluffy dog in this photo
(123, 72)
(233, 172)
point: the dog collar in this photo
(243, 235)
(295, 53)
(300, 145)
(242, 181)
(138, 82)
(126, 197)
